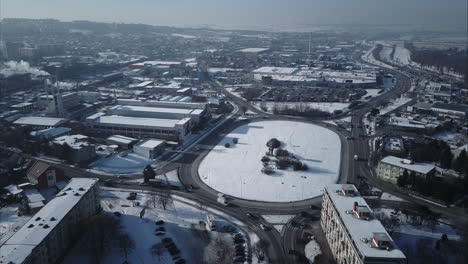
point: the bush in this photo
(235, 140)
(227, 145)
(282, 164)
(299, 166)
(265, 159)
(268, 170)
(281, 153)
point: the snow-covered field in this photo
(322, 106)
(130, 163)
(182, 224)
(236, 170)
(452, 138)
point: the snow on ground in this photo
(322, 106)
(386, 52)
(394, 105)
(369, 57)
(389, 197)
(402, 55)
(345, 119)
(373, 92)
(312, 250)
(117, 164)
(408, 236)
(278, 221)
(171, 178)
(182, 224)
(10, 222)
(236, 170)
(451, 138)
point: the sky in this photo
(247, 13)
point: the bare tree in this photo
(164, 199)
(157, 250)
(153, 200)
(259, 249)
(126, 244)
(222, 251)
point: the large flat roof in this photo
(423, 168)
(254, 50)
(183, 111)
(138, 121)
(360, 230)
(40, 121)
(20, 245)
(151, 143)
(275, 70)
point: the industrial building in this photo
(167, 129)
(150, 148)
(46, 237)
(40, 122)
(315, 76)
(354, 234)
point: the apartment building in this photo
(391, 167)
(354, 234)
(49, 233)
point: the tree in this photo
(126, 244)
(273, 144)
(157, 250)
(101, 231)
(148, 173)
(403, 179)
(164, 199)
(461, 161)
(445, 159)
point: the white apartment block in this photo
(354, 234)
(50, 232)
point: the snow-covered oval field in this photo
(236, 170)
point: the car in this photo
(160, 222)
(160, 233)
(264, 227)
(161, 228)
(180, 261)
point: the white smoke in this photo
(14, 67)
(62, 85)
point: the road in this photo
(187, 161)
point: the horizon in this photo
(419, 14)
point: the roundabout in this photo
(234, 164)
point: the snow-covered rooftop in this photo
(74, 141)
(40, 121)
(151, 143)
(423, 168)
(146, 109)
(51, 132)
(360, 230)
(254, 50)
(138, 121)
(275, 70)
(21, 244)
(121, 139)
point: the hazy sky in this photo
(245, 13)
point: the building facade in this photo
(353, 233)
(45, 238)
(391, 167)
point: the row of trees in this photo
(433, 151)
(451, 59)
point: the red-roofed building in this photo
(44, 175)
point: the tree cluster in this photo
(433, 151)
(102, 233)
